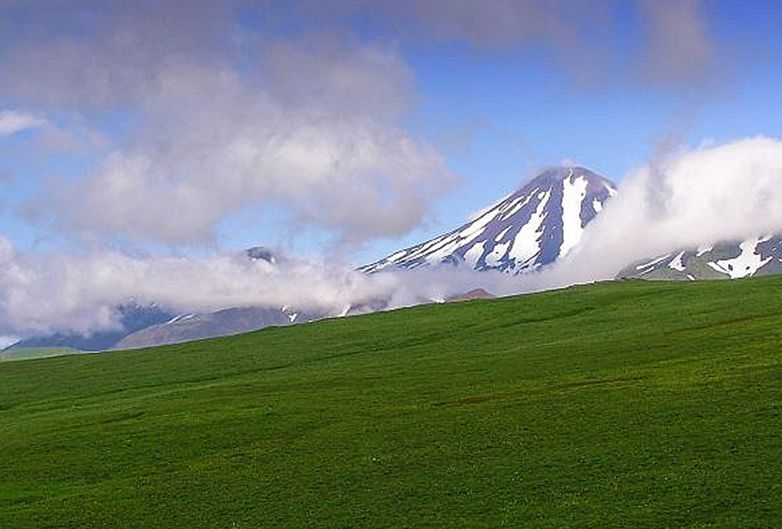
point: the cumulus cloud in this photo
(314, 126)
(213, 144)
(13, 121)
(682, 200)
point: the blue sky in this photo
(495, 106)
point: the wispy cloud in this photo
(589, 39)
(213, 141)
(13, 121)
(679, 46)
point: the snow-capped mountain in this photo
(730, 260)
(530, 228)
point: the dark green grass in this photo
(626, 404)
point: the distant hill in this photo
(221, 323)
(477, 293)
(28, 353)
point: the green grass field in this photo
(625, 404)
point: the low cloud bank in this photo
(80, 293)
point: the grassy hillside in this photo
(616, 405)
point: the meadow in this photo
(625, 404)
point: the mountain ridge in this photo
(759, 255)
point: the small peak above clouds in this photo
(261, 253)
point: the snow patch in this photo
(653, 262)
(502, 234)
(746, 264)
(472, 255)
(518, 205)
(676, 263)
(181, 317)
(573, 193)
(526, 244)
(497, 254)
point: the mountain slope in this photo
(208, 325)
(727, 260)
(530, 228)
(616, 405)
(132, 317)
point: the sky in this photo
(342, 131)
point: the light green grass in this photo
(626, 404)
(28, 353)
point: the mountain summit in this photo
(530, 228)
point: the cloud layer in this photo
(80, 293)
(675, 46)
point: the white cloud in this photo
(214, 142)
(710, 194)
(315, 127)
(13, 121)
